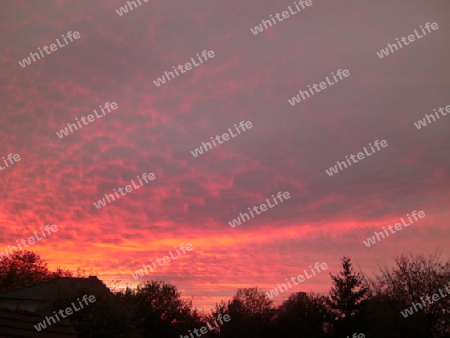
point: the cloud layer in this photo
(251, 78)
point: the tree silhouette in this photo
(303, 315)
(346, 296)
(155, 309)
(409, 281)
(25, 268)
(161, 312)
(251, 312)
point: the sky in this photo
(192, 199)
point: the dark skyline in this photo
(155, 129)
